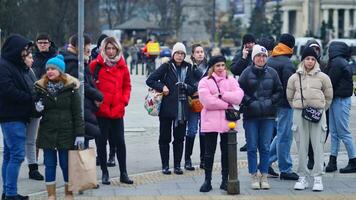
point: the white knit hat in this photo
(257, 49)
(179, 47)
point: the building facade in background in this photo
(302, 16)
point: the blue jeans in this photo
(339, 126)
(258, 136)
(193, 123)
(14, 134)
(50, 162)
(281, 144)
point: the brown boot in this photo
(51, 190)
(68, 194)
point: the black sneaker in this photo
(244, 148)
(289, 176)
(272, 173)
(111, 162)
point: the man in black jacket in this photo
(340, 73)
(281, 144)
(45, 49)
(16, 104)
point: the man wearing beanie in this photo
(95, 52)
(16, 105)
(281, 144)
(243, 57)
(174, 80)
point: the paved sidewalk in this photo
(143, 163)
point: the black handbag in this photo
(231, 114)
(309, 113)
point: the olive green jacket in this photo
(62, 119)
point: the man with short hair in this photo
(45, 49)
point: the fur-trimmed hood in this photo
(72, 82)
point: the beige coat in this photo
(317, 88)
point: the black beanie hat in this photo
(248, 38)
(215, 59)
(287, 39)
(267, 42)
(100, 39)
(309, 51)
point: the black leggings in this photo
(112, 128)
(210, 147)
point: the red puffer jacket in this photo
(115, 84)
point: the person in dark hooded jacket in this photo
(16, 105)
(340, 73)
(96, 51)
(243, 58)
(45, 49)
(174, 80)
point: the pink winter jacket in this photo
(213, 113)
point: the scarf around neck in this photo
(54, 87)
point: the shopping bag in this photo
(82, 170)
(153, 102)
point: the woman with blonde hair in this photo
(62, 124)
(309, 87)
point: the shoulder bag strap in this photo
(301, 89)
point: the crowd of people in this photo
(40, 108)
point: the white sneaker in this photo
(301, 184)
(255, 182)
(318, 184)
(264, 182)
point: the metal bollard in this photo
(233, 184)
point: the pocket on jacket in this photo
(296, 132)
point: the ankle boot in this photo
(202, 151)
(164, 151)
(332, 165)
(350, 168)
(189, 143)
(206, 187)
(111, 161)
(34, 173)
(68, 194)
(51, 190)
(124, 178)
(105, 177)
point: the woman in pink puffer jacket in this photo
(217, 92)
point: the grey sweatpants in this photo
(31, 135)
(304, 130)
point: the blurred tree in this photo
(230, 29)
(259, 25)
(276, 23)
(58, 18)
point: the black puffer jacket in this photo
(198, 74)
(166, 75)
(16, 102)
(239, 64)
(339, 70)
(262, 92)
(40, 59)
(285, 69)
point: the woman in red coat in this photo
(113, 80)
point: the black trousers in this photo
(166, 126)
(111, 128)
(210, 147)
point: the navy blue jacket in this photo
(285, 69)
(239, 64)
(339, 70)
(40, 59)
(16, 101)
(262, 89)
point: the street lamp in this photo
(0, 42)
